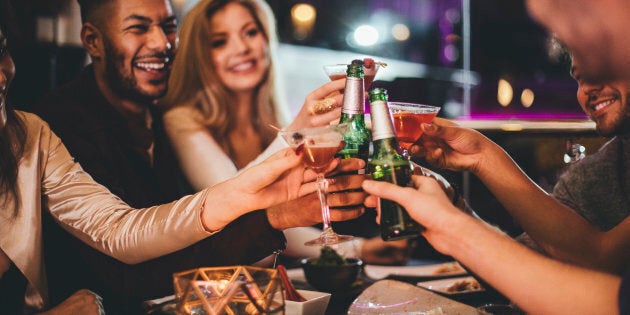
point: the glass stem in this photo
(322, 193)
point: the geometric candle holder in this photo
(229, 290)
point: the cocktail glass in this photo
(407, 119)
(318, 146)
(338, 71)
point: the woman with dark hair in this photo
(37, 173)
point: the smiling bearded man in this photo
(107, 120)
(598, 187)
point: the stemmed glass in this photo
(407, 118)
(338, 71)
(319, 146)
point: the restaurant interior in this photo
(486, 63)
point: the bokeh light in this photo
(527, 98)
(366, 35)
(505, 93)
(400, 32)
(303, 12)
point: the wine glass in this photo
(407, 118)
(319, 146)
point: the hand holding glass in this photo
(407, 120)
(318, 146)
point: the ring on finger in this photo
(324, 106)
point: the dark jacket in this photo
(101, 140)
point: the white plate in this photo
(443, 285)
(396, 297)
(434, 270)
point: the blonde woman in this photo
(222, 94)
(222, 100)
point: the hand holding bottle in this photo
(388, 165)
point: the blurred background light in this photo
(505, 92)
(303, 12)
(366, 35)
(400, 32)
(527, 98)
(303, 18)
(451, 52)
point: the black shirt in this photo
(101, 140)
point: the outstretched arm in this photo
(508, 266)
(556, 228)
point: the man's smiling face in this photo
(607, 103)
(140, 39)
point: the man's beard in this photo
(122, 83)
(621, 124)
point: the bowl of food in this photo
(330, 272)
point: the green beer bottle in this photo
(357, 136)
(388, 165)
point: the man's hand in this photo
(345, 200)
(446, 146)
(82, 302)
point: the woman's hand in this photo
(82, 302)
(321, 106)
(447, 146)
(280, 178)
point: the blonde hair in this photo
(194, 82)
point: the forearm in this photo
(556, 228)
(517, 272)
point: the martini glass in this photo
(318, 146)
(407, 118)
(338, 71)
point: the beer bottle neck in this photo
(382, 126)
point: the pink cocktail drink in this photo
(407, 119)
(408, 129)
(318, 146)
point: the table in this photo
(340, 302)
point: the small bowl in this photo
(315, 304)
(332, 278)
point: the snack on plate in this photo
(448, 268)
(464, 285)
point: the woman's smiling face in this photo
(238, 48)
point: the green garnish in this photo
(329, 258)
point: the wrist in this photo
(218, 208)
